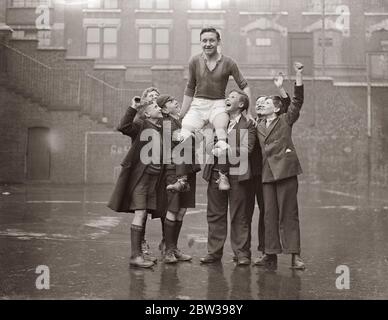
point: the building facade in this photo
(264, 36)
(68, 70)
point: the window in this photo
(103, 4)
(154, 4)
(265, 46)
(316, 5)
(154, 43)
(44, 38)
(263, 5)
(29, 3)
(18, 34)
(101, 42)
(333, 47)
(375, 6)
(206, 4)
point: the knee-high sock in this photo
(169, 234)
(144, 228)
(178, 227)
(136, 238)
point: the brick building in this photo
(69, 68)
(263, 35)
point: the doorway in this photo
(38, 154)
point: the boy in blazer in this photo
(280, 170)
(135, 190)
(240, 196)
(257, 159)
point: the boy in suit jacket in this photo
(240, 196)
(257, 159)
(280, 170)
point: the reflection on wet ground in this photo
(86, 246)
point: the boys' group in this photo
(165, 187)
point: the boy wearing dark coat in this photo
(280, 170)
(257, 159)
(140, 177)
(177, 203)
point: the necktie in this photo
(231, 125)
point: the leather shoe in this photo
(140, 262)
(243, 261)
(297, 262)
(209, 259)
(267, 260)
(170, 257)
(181, 256)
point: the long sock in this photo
(178, 227)
(136, 237)
(169, 233)
(144, 228)
(162, 219)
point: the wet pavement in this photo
(86, 247)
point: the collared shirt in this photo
(233, 122)
(203, 83)
(268, 121)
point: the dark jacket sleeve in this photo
(297, 101)
(127, 126)
(286, 103)
(248, 142)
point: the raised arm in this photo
(298, 99)
(127, 125)
(285, 98)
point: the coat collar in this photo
(263, 130)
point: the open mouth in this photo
(228, 103)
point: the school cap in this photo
(163, 99)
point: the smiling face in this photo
(152, 96)
(233, 103)
(259, 102)
(172, 107)
(153, 111)
(209, 43)
(267, 108)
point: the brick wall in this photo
(330, 136)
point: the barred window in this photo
(29, 3)
(103, 4)
(154, 43)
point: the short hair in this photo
(143, 108)
(243, 97)
(210, 29)
(147, 91)
(277, 102)
(260, 96)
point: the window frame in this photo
(102, 43)
(154, 44)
